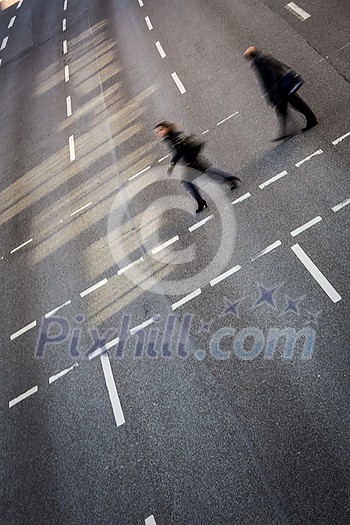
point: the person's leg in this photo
(282, 112)
(193, 191)
(222, 175)
(298, 103)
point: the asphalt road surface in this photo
(159, 366)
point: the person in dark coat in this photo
(271, 72)
(182, 151)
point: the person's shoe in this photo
(201, 206)
(310, 125)
(234, 182)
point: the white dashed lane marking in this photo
(21, 246)
(165, 244)
(266, 250)
(273, 179)
(178, 82)
(64, 24)
(129, 266)
(65, 5)
(160, 49)
(65, 47)
(4, 43)
(104, 348)
(225, 275)
(150, 520)
(318, 152)
(11, 22)
(305, 226)
(200, 223)
(112, 390)
(94, 287)
(143, 325)
(54, 378)
(227, 118)
(163, 158)
(69, 106)
(55, 310)
(80, 209)
(340, 139)
(241, 199)
(19, 4)
(71, 148)
(141, 3)
(140, 173)
(66, 73)
(23, 330)
(341, 205)
(20, 398)
(297, 11)
(186, 299)
(149, 23)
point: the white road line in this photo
(143, 325)
(71, 148)
(150, 520)
(54, 378)
(126, 268)
(227, 118)
(163, 158)
(20, 398)
(318, 152)
(336, 141)
(186, 299)
(341, 205)
(69, 106)
(0, 61)
(160, 49)
(273, 179)
(243, 198)
(205, 132)
(23, 330)
(316, 273)
(65, 5)
(66, 73)
(49, 314)
(64, 24)
(200, 223)
(165, 244)
(305, 226)
(4, 43)
(21, 246)
(65, 47)
(149, 23)
(297, 11)
(140, 173)
(104, 348)
(112, 390)
(19, 4)
(178, 82)
(11, 22)
(141, 3)
(80, 209)
(94, 287)
(266, 250)
(225, 275)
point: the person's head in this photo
(164, 128)
(250, 53)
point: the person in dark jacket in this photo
(271, 72)
(178, 143)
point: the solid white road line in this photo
(21, 246)
(305, 226)
(149, 23)
(163, 158)
(20, 398)
(160, 49)
(341, 205)
(65, 5)
(267, 250)
(318, 152)
(69, 106)
(66, 73)
(227, 118)
(140, 173)
(243, 198)
(19, 4)
(23, 330)
(186, 299)
(80, 209)
(112, 390)
(54, 378)
(94, 287)
(4, 43)
(50, 314)
(104, 348)
(71, 148)
(126, 268)
(150, 520)
(225, 275)
(165, 244)
(64, 24)
(11, 22)
(297, 11)
(142, 326)
(178, 82)
(316, 273)
(65, 47)
(200, 223)
(273, 179)
(141, 3)
(336, 141)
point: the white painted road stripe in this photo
(65, 47)
(71, 148)
(80, 209)
(65, 5)
(273, 179)
(142, 326)
(69, 106)
(200, 223)
(66, 73)
(94, 287)
(21, 246)
(165, 244)
(296, 10)
(205, 132)
(149, 23)
(163, 158)
(112, 390)
(11, 22)
(141, 3)
(150, 520)
(307, 225)
(126, 268)
(49, 314)
(20, 3)
(243, 198)
(178, 82)
(64, 24)
(318, 152)
(224, 275)
(267, 250)
(23, 396)
(316, 273)
(336, 141)
(186, 299)
(341, 205)
(227, 118)
(104, 348)
(54, 378)
(4, 43)
(160, 49)
(140, 173)
(23, 330)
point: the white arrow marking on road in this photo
(178, 82)
(23, 330)
(318, 152)
(296, 232)
(297, 11)
(273, 179)
(112, 390)
(23, 396)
